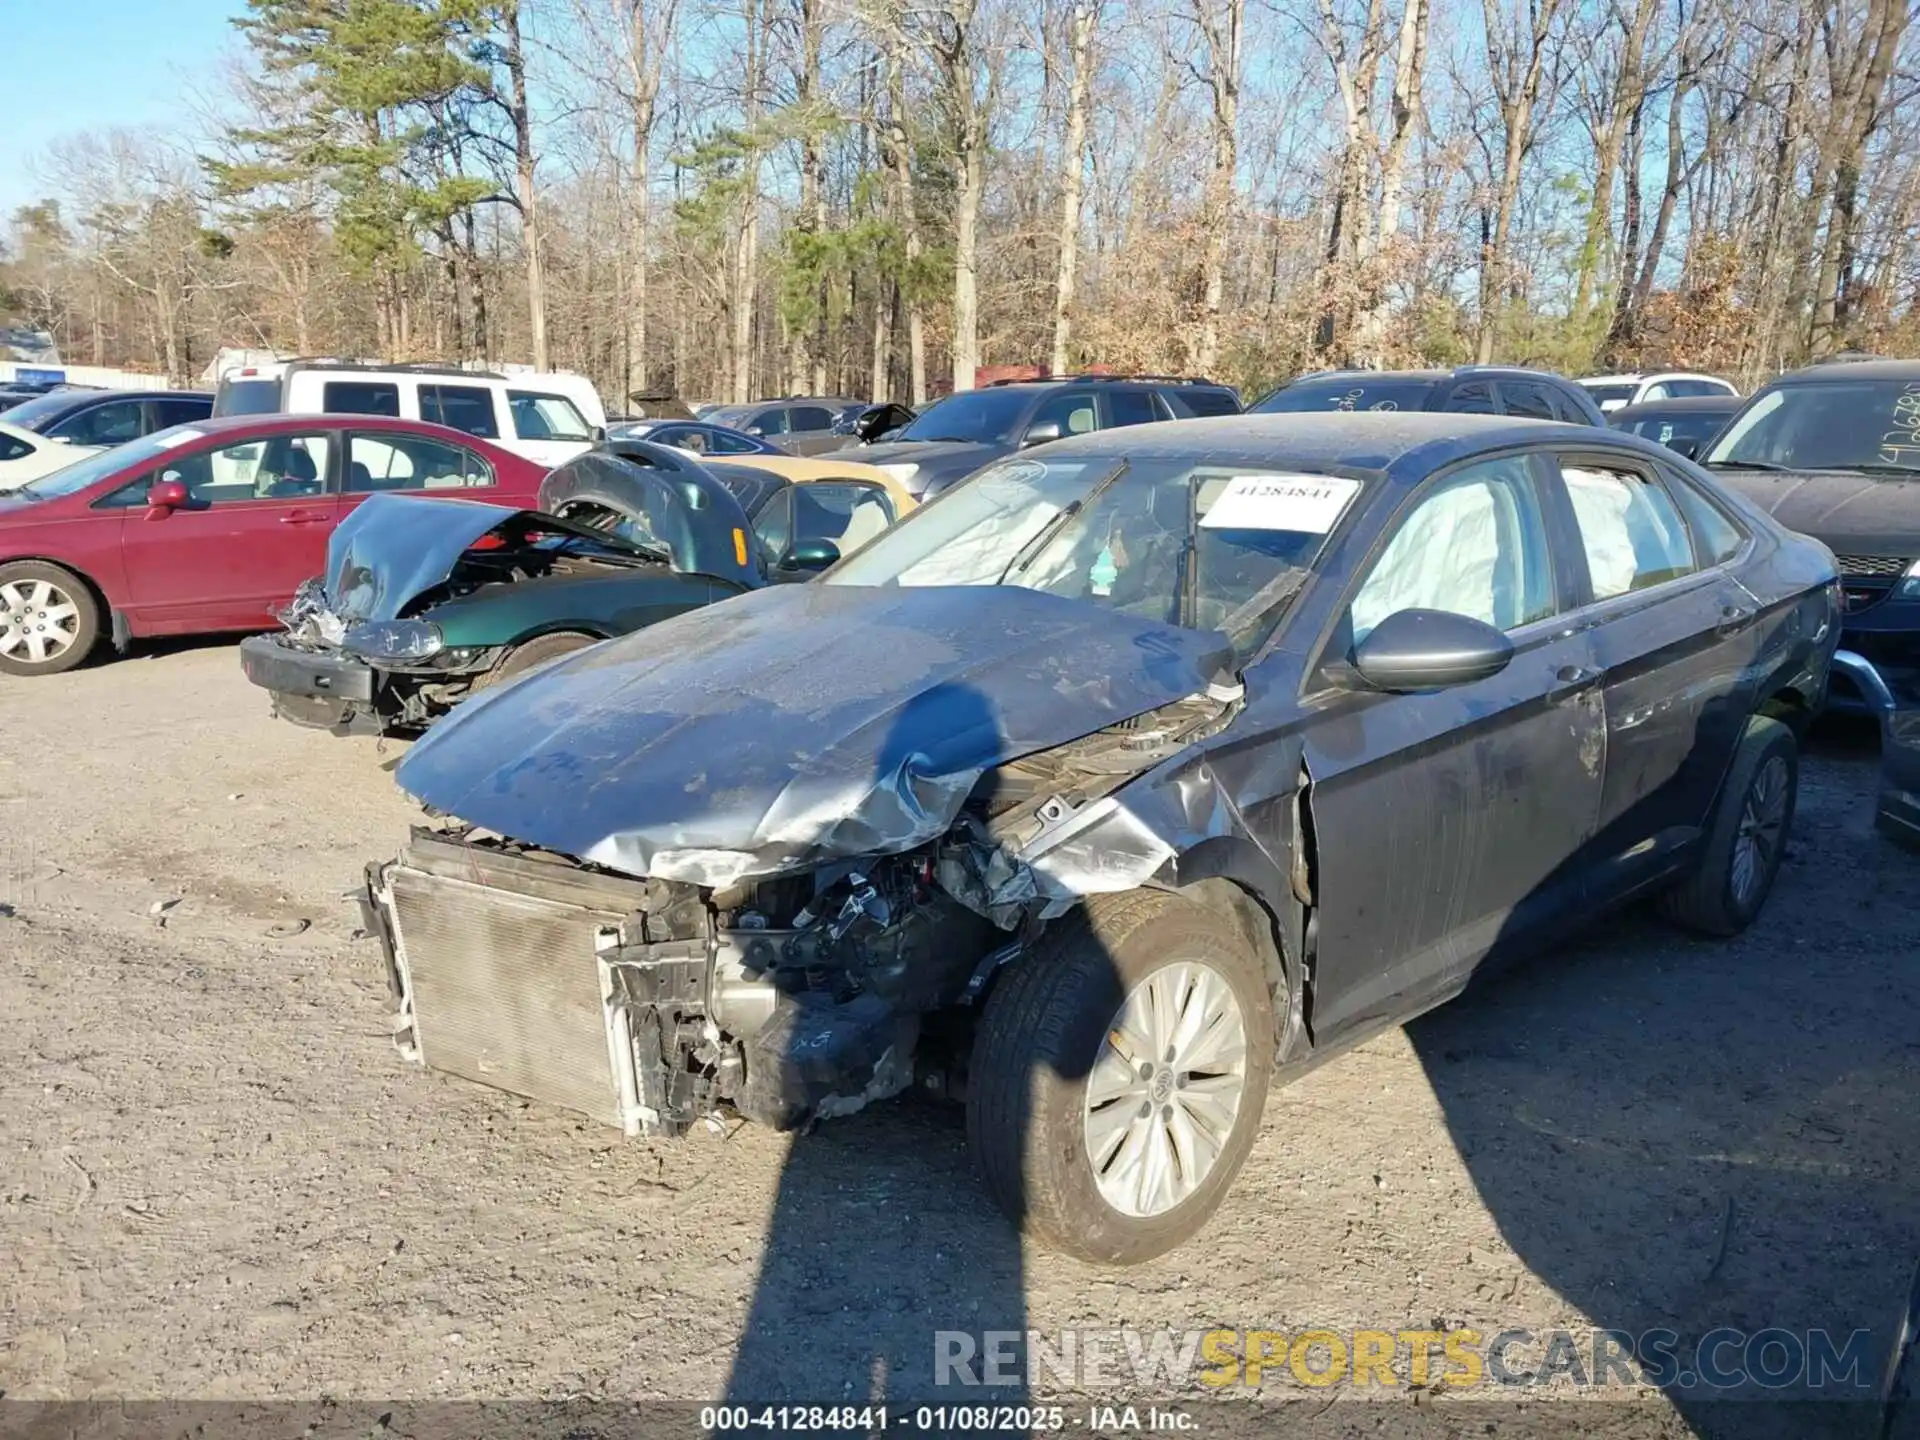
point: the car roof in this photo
(1405, 445)
(1460, 372)
(91, 396)
(274, 424)
(1686, 405)
(1853, 370)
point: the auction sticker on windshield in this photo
(1307, 504)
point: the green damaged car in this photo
(426, 601)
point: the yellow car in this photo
(808, 511)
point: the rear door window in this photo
(360, 397)
(1716, 538)
(1472, 397)
(1132, 407)
(460, 407)
(113, 423)
(1529, 398)
(1630, 528)
(810, 417)
(1201, 400)
(168, 413)
(380, 461)
(547, 417)
(719, 442)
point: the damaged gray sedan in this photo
(1120, 782)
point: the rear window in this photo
(1346, 393)
(247, 397)
(360, 397)
(1614, 392)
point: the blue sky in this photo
(95, 64)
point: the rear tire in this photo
(49, 620)
(1059, 1023)
(535, 652)
(1745, 838)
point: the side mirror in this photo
(165, 496)
(1041, 431)
(1430, 650)
(598, 434)
(1685, 445)
(811, 555)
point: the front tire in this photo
(537, 651)
(1745, 838)
(49, 621)
(1119, 1074)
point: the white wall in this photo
(100, 375)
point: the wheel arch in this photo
(109, 613)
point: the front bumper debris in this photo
(317, 689)
(544, 979)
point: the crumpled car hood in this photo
(795, 725)
(394, 548)
(1853, 514)
(391, 548)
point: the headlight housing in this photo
(1909, 586)
(394, 640)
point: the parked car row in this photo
(1085, 793)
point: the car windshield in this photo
(974, 416)
(94, 468)
(1613, 393)
(1208, 547)
(731, 415)
(1348, 392)
(1872, 426)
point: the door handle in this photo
(1734, 618)
(1571, 675)
(301, 517)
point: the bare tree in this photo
(1082, 18)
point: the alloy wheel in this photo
(1763, 818)
(39, 621)
(1164, 1093)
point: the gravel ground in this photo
(218, 1181)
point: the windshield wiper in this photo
(1902, 472)
(1245, 622)
(1032, 550)
(942, 439)
(1749, 465)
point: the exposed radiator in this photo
(505, 988)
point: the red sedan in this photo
(210, 526)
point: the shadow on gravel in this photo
(1684, 1137)
(890, 1194)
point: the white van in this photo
(549, 418)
